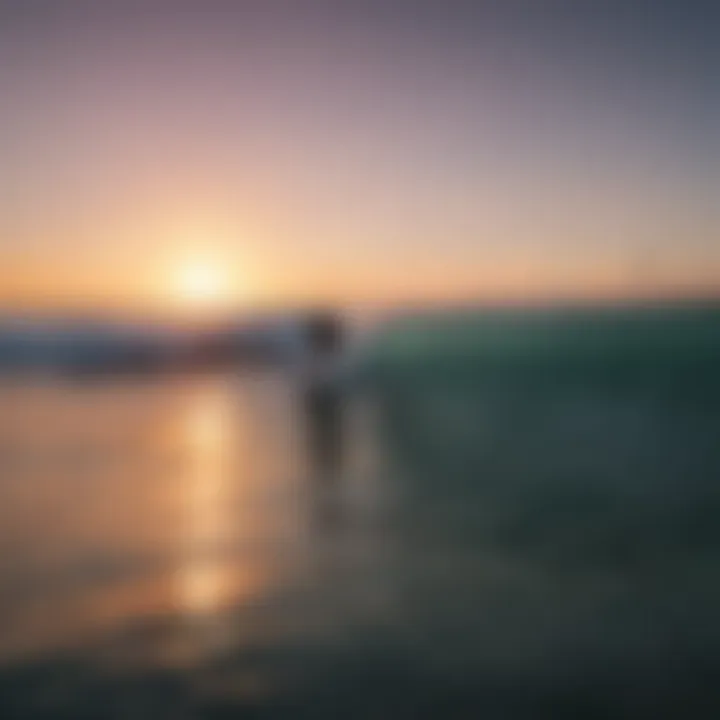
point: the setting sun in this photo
(201, 283)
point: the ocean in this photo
(526, 526)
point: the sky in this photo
(350, 151)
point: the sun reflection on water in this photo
(177, 526)
(209, 436)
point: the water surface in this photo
(501, 544)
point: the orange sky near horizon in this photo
(158, 287)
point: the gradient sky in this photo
(359, 150)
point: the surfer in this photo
(322, 394)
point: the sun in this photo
(202, 283)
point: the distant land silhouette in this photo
(80, 347)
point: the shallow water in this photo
(163, 526)
(166, 552)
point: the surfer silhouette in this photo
(322, 394)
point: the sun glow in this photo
(204, 284)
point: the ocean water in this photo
(526, 527)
